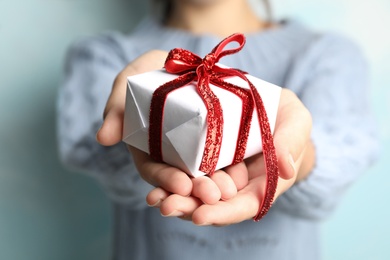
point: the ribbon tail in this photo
(270, 159)
(156, 113)
(246, 116)
(214, 125)
(269, 153)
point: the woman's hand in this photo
(111, 131)
(295, 154)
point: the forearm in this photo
(344, 140)
(91, 68)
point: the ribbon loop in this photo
(237, 37)
(180, 61)
(193, 68)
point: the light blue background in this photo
(49, 213)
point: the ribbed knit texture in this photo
(326, 71)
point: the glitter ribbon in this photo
(191, 67)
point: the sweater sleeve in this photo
(335, 90)
(90, 69)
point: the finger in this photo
(241, 207)
(179, 206)
(283, 185)
(206, 190)
(239, 174)
(156, 196)
(111, 131)
(255, 165)
(161, 175)
(305, 163)
(225, 184)
(292, 133)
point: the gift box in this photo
(184, 119)
(201, 116)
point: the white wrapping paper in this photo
(184, 122)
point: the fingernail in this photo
(292, 163)
(157, 204)
(174, 213)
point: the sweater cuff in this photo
(335, 169)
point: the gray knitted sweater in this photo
(326, 71)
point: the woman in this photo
(324, 137)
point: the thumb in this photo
(292, 134)
(110, 132)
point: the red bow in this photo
(193, 68)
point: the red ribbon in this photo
(204, 71)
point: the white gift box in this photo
(184, 121)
